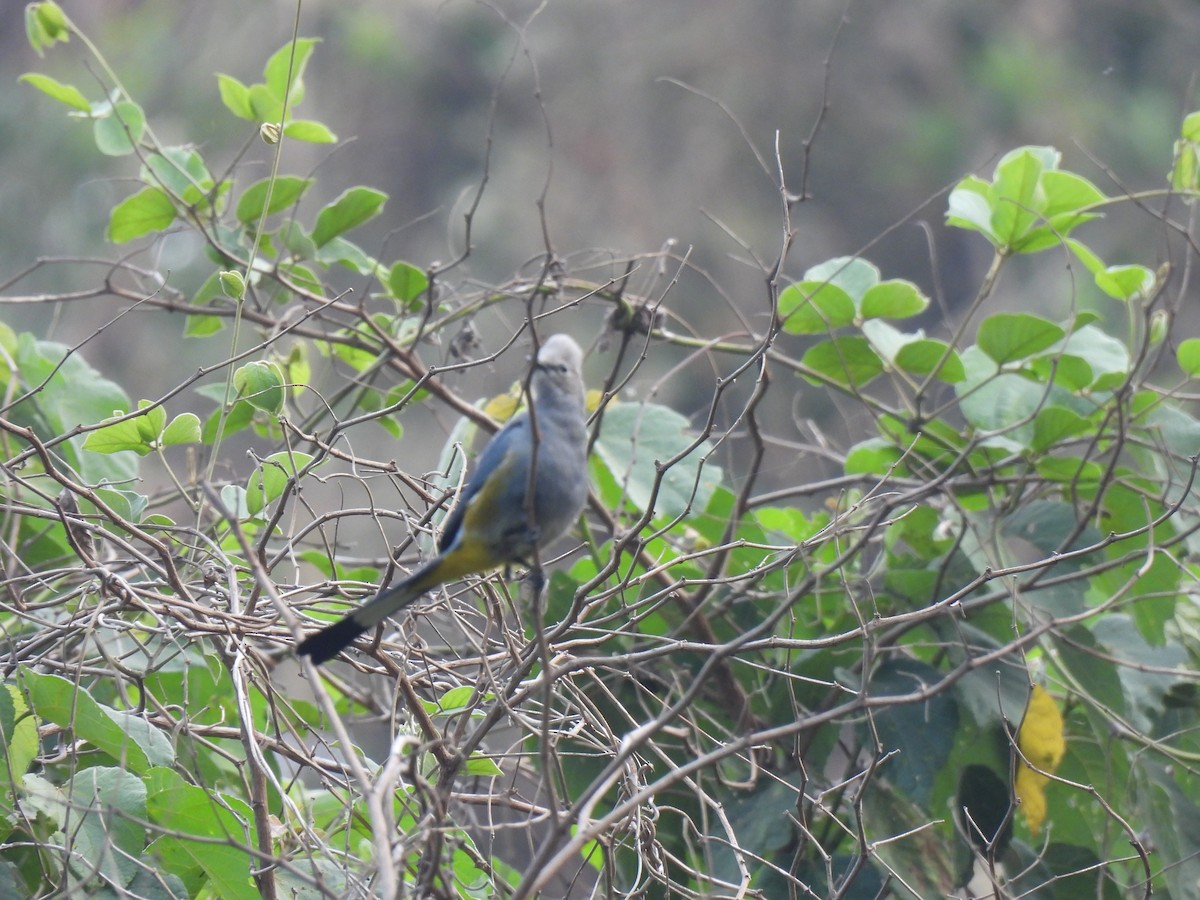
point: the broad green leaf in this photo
(970, 207)
(1107, 357)
(275, 73)
(1188, 356)
(287, 191)
(19, 742)
(202, 326)
(235, 96)
(1064, 370)
(926, 356)
(1005, 405)
(893, 299)
(406, 282)
(205, 830)
(1055, 424)
(271, 478)
(635, 438)
(309, 131)
(119, 132)
(874, 456)
(814, 307)
(848, 361)
(354, 207)
(339, 251)
(129, 505)
(1069, 470)
(483, 766)
(1017, 195)
(1067, 192)
(240, 415)
(181, 171)
(183, 429)
(63, 93)
(265, 106)
(852, 274)
(260, 383)
(914, 730)
(107, 834)
(147, 211)
(70, 705)
(117, 437)
(1007, 337)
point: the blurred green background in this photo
(636, 120)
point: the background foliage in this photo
(968, 654)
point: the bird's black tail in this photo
(331, 640)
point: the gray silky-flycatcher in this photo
(494, 523)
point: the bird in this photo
(494, 523)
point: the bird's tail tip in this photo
(327, 643)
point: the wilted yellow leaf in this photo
(1042, 745)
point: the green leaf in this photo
(270, 479)
(235, 96)
(181, 171)
(147, 211)
(71, 706)
(206, 831)
(118, 133)
(893, 299)
(261, 384)
(63, 93)
(19, 740)
(1005, 405)
(339, 251)
(184, 429)
(1107, 357)
(309, 131)
(275, 73)
(202, 326)
(874, 456)
(635, 437)
(970, 207)
(927, 356)
(406, 282)
(354, 207)
(287, 191)
(1069, 470)
(1007, 337)
(240, 415)
(852, 274)
(1017, 196)
(1119, 282)
(1055, 424)
(118, 436)
(814, 307)
(847, 361)
(483, 766)
(129, 505)
(264, 105)
(1188, 357)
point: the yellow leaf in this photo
(502, 406)
(1041, 737)
(1042, 746)
(1031, 794)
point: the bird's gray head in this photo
(559, 367)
